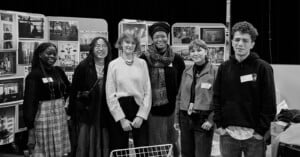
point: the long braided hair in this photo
(37, 64)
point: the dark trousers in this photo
(119, 137)
(195, 141)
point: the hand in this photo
(206, 125)
(221, 131)
(125, 123)
(257, 136)
(137, 122)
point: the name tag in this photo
(170, 65)
(47, 79)
(205, 85)
(247, 78)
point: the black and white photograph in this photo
(8, 31)
(64, 30)
(216, 54)
(213, 35)
(11, 89)
(25, 51)
(7, 124)
(31, 26)
(138, 29)
(6, 17)
(184, 35)
(85, 38)
(8, 63)
(68, 55)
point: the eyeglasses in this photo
(101, 46)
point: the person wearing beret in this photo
(165, 69)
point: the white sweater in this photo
(128, 80)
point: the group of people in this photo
(149, 97)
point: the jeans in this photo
(231, 147)
(195, 141)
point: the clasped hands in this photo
(127, 125)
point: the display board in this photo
(20, 34)
(140, 28)
(287, 84)
(215, 35)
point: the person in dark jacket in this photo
(46, 88)
(165, 68)
(88, 106)
(244, 97)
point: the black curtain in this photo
(277, 21)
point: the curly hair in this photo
(245, 27)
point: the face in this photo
(128, 46)
(160, 39)
(242, 44)
(49, 56)
(198, 54)
(100, 49)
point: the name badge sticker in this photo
(205, 85)
(50, 79)
(247, 78)
(45, 80)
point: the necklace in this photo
(128, 62)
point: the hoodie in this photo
(244, 94)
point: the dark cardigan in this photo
(84, 77)
(36, 91)
(173, 78)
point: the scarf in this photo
(157, 63)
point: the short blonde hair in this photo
(124, 36)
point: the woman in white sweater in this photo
(128, 94)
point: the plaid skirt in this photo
(51, 130)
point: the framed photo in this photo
(31, 26)
(8, 31)
(139, 29)
(11, 89)
(68, 55)
(216, 54)
(213, 35)
(6, 17)
(64, 30)
(184, 35)
(7, 124)
(8, 63)
(25, 51)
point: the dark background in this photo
(277, 21)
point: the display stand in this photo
(215, 35)
(20, 34)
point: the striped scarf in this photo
(157, 63)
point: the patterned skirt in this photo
(51, 130)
